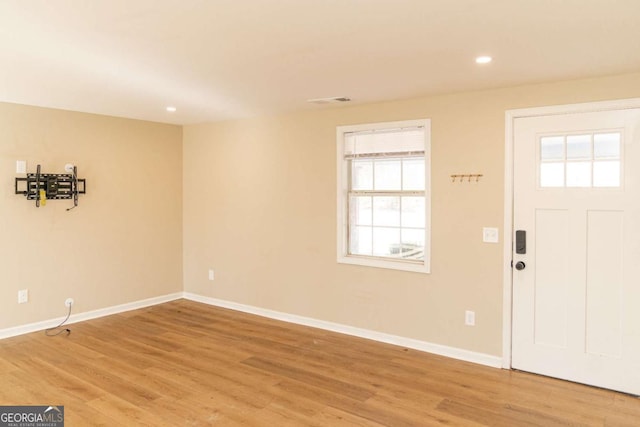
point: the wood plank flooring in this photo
(188, 364)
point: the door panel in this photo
(576, 305)
(551, 271)
(604, 283)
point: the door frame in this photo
(510, 117)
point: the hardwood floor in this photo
(188, 364)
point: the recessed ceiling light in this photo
(483, 59)
(171, 109)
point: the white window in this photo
(589, 160)
(383, 195)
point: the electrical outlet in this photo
(21, 166)
(23, 296)
(211, 274)
(470, 318)
(68, 302)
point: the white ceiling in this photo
(223, 59)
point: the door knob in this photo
(520, 265)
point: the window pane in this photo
(606, 174)
(362, 174)
(360, 240)
(412, 244)
(386, 241)
(413, 174)
(360, 210)
(606, 145)
(579, 174)
(386, 211)
(578, 147)
(387, 175)
(552, 175)
(552, 148)
(413, 212)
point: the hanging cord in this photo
(48, 332)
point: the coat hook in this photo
(467, 176)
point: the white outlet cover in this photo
(490, 235)
(21, 166)
(211, 275)
(23, 296)
(470, 318)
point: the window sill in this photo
(382, 263)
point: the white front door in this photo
(576, 291)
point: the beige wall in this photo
(260, 208)
(124, 241)
(258, 205)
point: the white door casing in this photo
(576, 304)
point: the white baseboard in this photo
(442, 350)
(45, 324)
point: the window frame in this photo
(343, 181)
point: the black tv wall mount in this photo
(42, 186)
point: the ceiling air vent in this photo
(329, 100)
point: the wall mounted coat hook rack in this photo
(466, 176)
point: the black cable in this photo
(68, 331)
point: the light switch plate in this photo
(490, 235)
